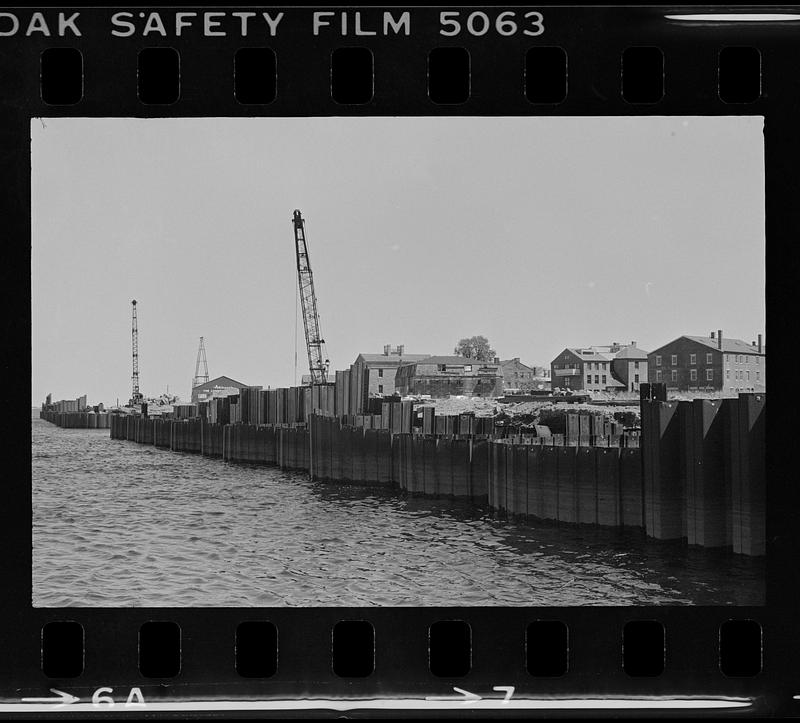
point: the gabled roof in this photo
(631, 352)
(221, 382)
(589, 353)
(390, 358)
(517, 363)
(732, 346)
(604, 353)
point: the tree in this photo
(475, 347)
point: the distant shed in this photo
(219, 387)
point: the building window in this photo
(674, 375)
(442, 367)
(748, 375)
(727, 373)
(658, 360)
(588, 378)
(758, 375)
(693, 375)
(380, 372)
(597, 379)
(693, 359)
(674, 359)
(380, 388)
(747, 359)
(635, 365)
(658, 375)
(709, 358)
(636, 378)
(709, 374)
(604, 378)
(758, 360)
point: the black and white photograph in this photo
(398, 361)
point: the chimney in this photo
(400, 349)
(633, 343)
(712, 334)
(719, 338)
(386, 348)
(516, 359)
(759, 343)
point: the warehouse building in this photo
(610, 368)
(629, 367)
(519, 378)
(710, 363)
(219, 387)
(442, 376)
(378, 370)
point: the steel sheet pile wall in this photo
(77, 420)
(463, 425)
(594, 430)
(185, 411)
(185, 435)
(248, 443)
(162, 433)
(699, 476)
(578, 485)
(414, 463)
(704, 471)
(211, 439)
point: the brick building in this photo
(379, 369)
(610, 368)
(629, 367)
(442, 376)
(710, 363)
(520, 378)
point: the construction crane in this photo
(317, 360)
(201, 363)
(136, 396)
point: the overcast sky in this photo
(539, 233)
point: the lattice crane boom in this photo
(136, 396)
(315, 344)
(202, 364)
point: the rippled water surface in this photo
(118, 524)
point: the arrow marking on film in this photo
(507, 689)
(466, 696)
(62, 699)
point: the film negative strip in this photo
(483, 519)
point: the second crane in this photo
(315, 344)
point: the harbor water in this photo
(117, 524)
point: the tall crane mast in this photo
(317, 360)
(136, 396)
(201, 364)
